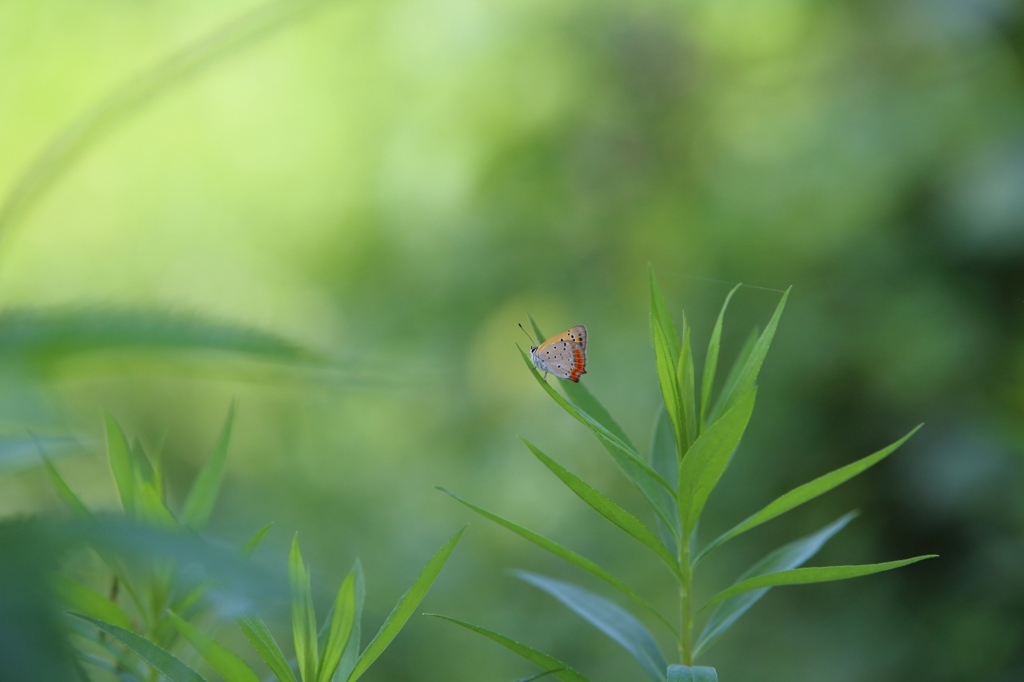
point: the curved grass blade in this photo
(122, 464)
(669, 382)
(706, 460)
(807, 576)
(342, 619)
(806, 492)
(230, 666)
(252, 543)
(199, 503)
(64, 491)
(608, 617)
(256, 631)
(711, 362)
(683, 673)
(549, 663)
(568, 555)
(351, 654)
(404, 608)
(303, 615)
(87, 601)
(661, 316)
(789, 556)
(685, 380)
(746, 377)
(608, 509)
(163, 661)
(538, 676)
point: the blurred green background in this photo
(394, 185)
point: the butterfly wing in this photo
(564, 355)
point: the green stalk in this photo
(686, 604)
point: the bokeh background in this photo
(394, 185)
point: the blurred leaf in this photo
(806, 576)
(663, 319)
(647, 481)
(404, 608)
(201, 498)
(685, 379)
(252, 543)
(538, 676)
(230, 666)
(608, 509)
(18, 453)
(303, 615)
(568, 555)
(711, 362)
(549, 663)
(608, 617)
(746, 377)
(786, 557)
(682, 673)
(351, 655)
(706, 460)
(669, 382)
(163, 661)
(342, 619)
(256, 631)
(66, 494)
(122, 464)
(85, 600)
(806, 492)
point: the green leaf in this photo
(230, 666)
(303, 615)
(256, 631)
(806, 576)
(548, 663)
(788, 556)
(685, 379)
(682, 673)
(404, 608)
(661, 316)
(669, 382)
(568, 555)
(711, 362)
(351, 655)
(203, 495)
(87, 601)
(163, 661)
(608, 617)
(122, 464)
(64, 491)
(342, 619)
(806, 492)
(252, 543)
(665, 460)
(746, 377)
(706, 460)
(608, 509)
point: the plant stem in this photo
(685, 605)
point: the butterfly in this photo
(564, 355)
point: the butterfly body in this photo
(564, 355)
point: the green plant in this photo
(694, 439)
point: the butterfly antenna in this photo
(527, 333)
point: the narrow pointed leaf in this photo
(404, 608)
(668, 380)
(341, 628)
(303, 615)
(685, 380)
(608, 617)
(806, 492)
(87, 601)
(661, 316)
(806, 576)
(121, 464)
(230, 666)
(551, 664)
(706, 460)
(199, 503)
(64, 491)
(256, 631)
(665, 460)
(711, 362)
(252, 543)
(608, 509)
(682, 673)
(788, 556)
(351, 655)
(163, 661)
(568, 555)
(747, 376)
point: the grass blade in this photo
(341, 628)
(231, 667)
(789, 556)
(685, 380)
(711, 362)
(163, 661)
(608, 617)
(351, 655)
(568, 555)
(252, 543)
(807, 576)
(661, 316)
(87, 601)
(665, 461)
(706, 461)
(64, 491)
(200, 500)
(404, 608)
(256, 631)
(747, 374)
(608, 509)
(303, 615)
(806, 492)
(122, 464)
(669, 382)
(549, 663)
